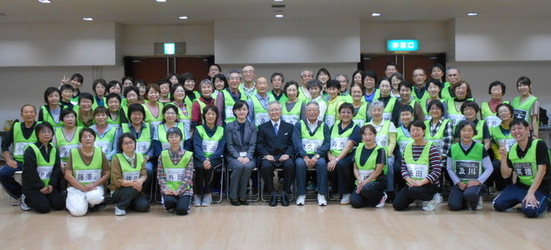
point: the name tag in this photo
(65, 150)
(187, 127)
(467, 170)
(174, 174)
(338, 143)
(402, 145)
(311, 145)
(456, 118)
(524, 169)
(329, 120)
(360, 123)
(131, 176)
(44, 172)
(261, 118)
(88, 175)
(19, 148)
(387, 116)
(364, 174)
(142, 147)
(104, 145)
(154, 124)
(418, 171)
(381, 140)
(229, 112)
(492, 121)
(209, 146)
(520, 114)
(242, 154)
(290, 118)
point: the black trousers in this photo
(267, 173)
(202, 183)
(43, 203)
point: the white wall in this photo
(287, 41)
(67, 44)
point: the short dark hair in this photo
(508, 106)
(333, 84)
(470, 104)
(78, 77)
(89, 130)
(66, 112)
(125, 135)
(347, 105)
(170, 106)
(49, 91)
(99, 81)
(497, 83)
(174, 131)
(463, 124)
(239, 104)
(173, 89)
(221, 77)
(206, 109)
(101, 109)
(65, 87)
(405, 84)
(314, 83)
(135, 108)
(438, 104)
(113, 95)
(112, 84)
(131, 88)
(522, 122)
(419, 124)
(277, 74)
(368, 127)
(85, 95)
(289, 83)
(128, 78)
(41, 126)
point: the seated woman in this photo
(488, 110)
(170, 120)
(84, 110)
(501, 136)
(403, 138)
(153, 106)
(470, 110)
(115, 116)
(469, 166)
(421, 169)
(241, 145)
(143, 132)
(360, 106)
(178, 97)
(106, 133)
(529, 159)
(41, 173)
(175, 174)
(66, 137)
(209, 143)
(370, 170)
(206, 99)
(462, 92)
(87, 171)
(51, 112)
(128, 174)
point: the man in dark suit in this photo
(275, 149)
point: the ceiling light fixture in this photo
(88, 19)
(472, 14)
(278, 0)
(182, 17)
(376, 14)
(279, 16)
(44, 1)
(160, 1)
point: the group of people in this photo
(369, 141)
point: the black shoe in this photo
(243, 202)
(273, 201)
(285, 201)
(235, 202)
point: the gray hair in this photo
(376, 104)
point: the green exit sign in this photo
(402, 45)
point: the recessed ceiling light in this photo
(278, 0)
(376, 14)
(160, 1)
(182, 17)
(279, 16)
(472, 14)
(44, 1)
(88, 19)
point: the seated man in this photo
(20, 135)
(311, 140)
(275, 149)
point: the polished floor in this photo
(223, 226)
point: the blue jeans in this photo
(321, 169)
(513, 195)
(369, 196)
(342, 177)
(180, 204)
(459, 199)
(12, 187)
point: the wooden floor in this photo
(259, 226)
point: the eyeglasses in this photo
(452, 74)
(128, 143)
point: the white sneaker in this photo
(301, 199)
(207, 200)
(197, 200)
(437, 198)
(431, 205)
(321, 200)
(480, 204)
(345, 199)
(382, 201)
(24, 206)
(119, 212)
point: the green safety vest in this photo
(445, 92)
(210, 144)
(417, 169)
(282, 99)
(86, 174)
(332, 112)
(242, 90)
(106, 141)
(44, 168)
(387, 111)
(129, 173)
(229, 102)
(47, 116)
(526, 168)
(490, 117)
(161, 135)
(479, 137)
(500, 138)
(454, 115)
(382, 135)
(338, 141)
(371, 164)
(423, 98)
(402, 139)
(360, 118)
(80, 123)
(20, 142)
(467, 167)
(260, 113)
(149, 118)
(437, 138)
(292, 116)
(63, 145)
(311, 143)
(143, 143)
(175, 173)
(523, 110)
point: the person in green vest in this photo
(370, 171)
(323, 76)
(153, 106)
(220, 83)
(469, 166)
(369, 82)
(403, 138)
(384, 96)
(293, 108)
(360, 106)
(277, 79)
(470, 110)
(20, 135)
(501, 135)
(106, 133)
(170, 120)
(248, 84)
(140, 84)
(420, 92)
(178, 97)
(453, 77)
(258, 103)
(86, 172)
(345, 137)
(527, 106)
(175, 174)
(164, 90)
(41, 173)
(433, 89)
(51, 112)
(76, 82)
(421, 169)
(314, 87)
(312, 140)
(66, 137)
(437, 71)
(131, 96)
(206, 99)
(488, 110)
(529, 159)
(128, 174)
(406, 100)
(334, 102)
(144, 133)
(227, 98)
(66, 95)
(114, 87)
(209, 143)
(462, 91)
(84, 110)
(343, 92)
(99, 86)
(115, 116)
(188, 80)
(395, 80)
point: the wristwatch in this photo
(317, 156)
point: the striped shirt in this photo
(186, 188)
(435, 166)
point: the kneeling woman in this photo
(421, 169)
(128, 174)
(465, 163)
(86, 171)
(175, 174)
(370, 170)
(41, 173)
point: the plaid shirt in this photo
(448, 135)
(186, 188)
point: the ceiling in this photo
(207, 11)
